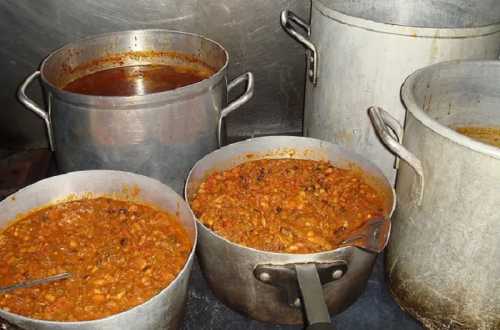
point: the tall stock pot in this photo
(443, 258)
(234, 272)
(359, 52)
(160, 135)
(162, 311)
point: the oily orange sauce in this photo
(488, 135)
(287, 205)
(137, 80)
(119, 254)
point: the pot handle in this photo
(288, 17)
(244, 98)
(313, 298)
(33, 106)
(383, 123)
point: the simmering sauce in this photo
(287, 205)
(119, 255)
(137, 80)
(489, 135)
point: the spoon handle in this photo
(40, 281)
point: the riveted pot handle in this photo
(287, 18)
(244, 98)
(33, 106)
(382, 121)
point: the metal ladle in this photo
(32, 283)
(372, 236)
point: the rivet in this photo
(337, 274)
(265, 277)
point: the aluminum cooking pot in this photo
(443, 258)
(160, 135)
(360, 51)
(265, 285)
(163, 311)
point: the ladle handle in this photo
(313, 298)
(320, 326)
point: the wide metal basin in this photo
(164, 310)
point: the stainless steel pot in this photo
(160, 135)
(163, 311)
(360, 51)
(443, 258)
(264, 285)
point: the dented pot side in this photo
(164, 310)
(229, 267)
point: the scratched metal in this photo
(367, 48)
(443, 258)
(250, 30)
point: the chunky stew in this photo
(286, 205)
(489, 135)
(119, 254)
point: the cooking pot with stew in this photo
(125, 243)
(442, 260)
(286, 221)
(147, 101)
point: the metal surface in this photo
(366, 48)
(383, 123)
(312, 294)
(163, 311)
(246, 78)
(457, 222)
(32, 283)
(32, 29)
(285, 277)
(229, 267)
(287, 17)
(160, 135)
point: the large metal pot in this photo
(263, 284)
(443, 257)
(163, 311)
(160, 135)
(359, 52)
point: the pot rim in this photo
(411, 105)
(78, 98)
(403, 30)
(292, 257)
(98, 322)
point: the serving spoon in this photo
(372, 236)
(31, 283)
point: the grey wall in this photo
(250, 30)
